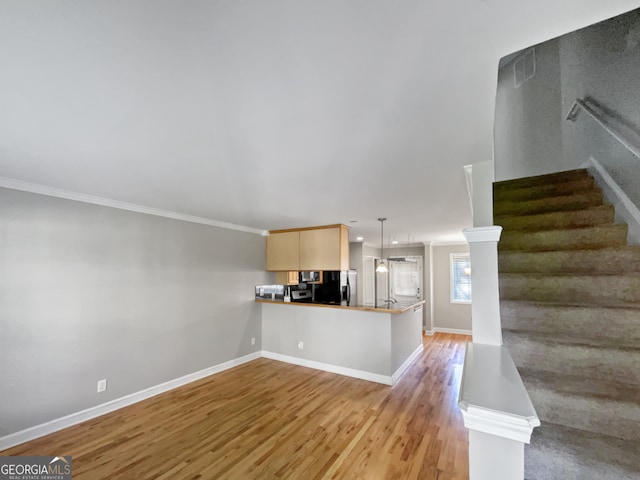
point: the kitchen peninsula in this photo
(375, 344)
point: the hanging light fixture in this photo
(382, 266)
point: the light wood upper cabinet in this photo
(315, 249)
(287, 278)
(325, 248)
(283, 251)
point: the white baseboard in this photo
(57, 424)
(37, 431)
(327, 367)
(455, 331)
(398, 373)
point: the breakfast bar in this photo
(375, 344)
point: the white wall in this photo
(532, 135)
(528, 118)
(90, 292)
(447, 315)
(600, 63)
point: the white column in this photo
(494, 458)
(485, 306)
(482, 178)
(497, 411)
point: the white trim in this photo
(445, 243)
(492, 397)
(37, 431)
(431, 290)
(327, 367)
(132, 207)
(401, 369)
(482, 234)
(500, 424)
(454, 331)
(57, 424)
(624, 205)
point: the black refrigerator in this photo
(337, 288)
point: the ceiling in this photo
(267, 114)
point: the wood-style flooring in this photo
(269, 420)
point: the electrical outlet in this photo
(301, 345)
(102, 385)
(253, 340)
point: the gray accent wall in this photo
(446, 314)
(90, 292)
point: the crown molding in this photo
(452, 243)
(14, 184)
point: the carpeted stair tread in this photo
(562, 453)
(578, 359)
(613, 260)
(567, 338)
(576, 201)
(588, 217)
(556, 177)
(580, 184)
(588, 238)
(599, 406)
(613, 324)
(577, 386)
(614, 290)
(570, 311)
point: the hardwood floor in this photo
(267, 419)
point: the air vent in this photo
(525, 67)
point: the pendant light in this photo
(382, 267)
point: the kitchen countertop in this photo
(395, 308)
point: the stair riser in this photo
(573, 239)
(601, 215)
(599, 290)
(551, 204)
(619, 419)
(600, 262)
(606, 325)
(590, 363)
(584, 184)
(558, 177)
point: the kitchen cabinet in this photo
(314, 248)
(283, 251)
(287, 278)
(325, 248)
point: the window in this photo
(460, 278)
(405, 277)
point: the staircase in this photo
(570, 308)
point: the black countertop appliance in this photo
(337, 288)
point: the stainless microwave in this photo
(308, 277)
